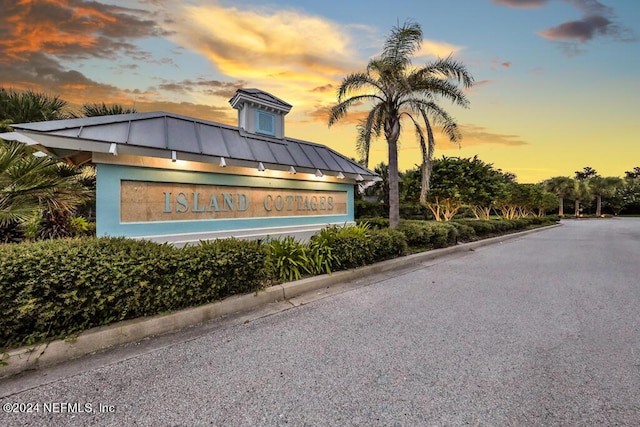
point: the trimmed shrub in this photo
(355, 247)
(388, 244)
(484, 227)
(53, 289)
(481, 227)
(418, 233)
(428, 234)
(445, 234)
(466, 233)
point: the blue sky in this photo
(556, 80)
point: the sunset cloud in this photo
(500, 63)
(207, 87)
(37, 70)
(36, 36)
(266, 44)
(473, 135)
(324, 89)
(438, 49)
(320, 114)
(522, 4)
(73, 29)
(597, 20)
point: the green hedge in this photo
(428, 234)
(497, 226)
(466, 233)
(52, 289)
(357, 249)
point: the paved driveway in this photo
(539, 331)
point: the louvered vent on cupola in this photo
(260, 112)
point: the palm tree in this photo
(561, 186)
(581, 192)
(29, 106)
(30, 184)
(635, 173)
(397, 90)
(586, 173)
(93, 110)
(603, 187)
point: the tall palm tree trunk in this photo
(392, 133)
(427, 163)
(598, 205)
(560, 206)
(576, 208)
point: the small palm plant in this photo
(30, 185)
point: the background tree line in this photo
(469, 187)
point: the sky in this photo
(557, 85)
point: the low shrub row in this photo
(499, 226)
(428, 234)
(56, 288)
(364, 246)
(334, 248)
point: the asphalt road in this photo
(542, 330)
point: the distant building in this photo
(171, 178)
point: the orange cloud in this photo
(277, 50)
(437, 49)
(257, 44)
(320, 114)
(71, 29)
(478, 135)
(326, 88)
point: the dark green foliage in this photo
(37, 188)
(497, 226)
(93, 110)
(480, 227)
(387, 244)
(466, 233)
(320, 258)
(51, 289)
(365, 209)
(358, 246)
(375, 223)
(415, 211)
(418, 233)
(428, 234)
(289, 258)
(445, 234)
(55, 225)
(29, 106)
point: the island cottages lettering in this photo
(150, 201)
(229, 202)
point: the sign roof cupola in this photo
(260, 112)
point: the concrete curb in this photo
(96, 339)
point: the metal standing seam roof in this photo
(171, 132)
